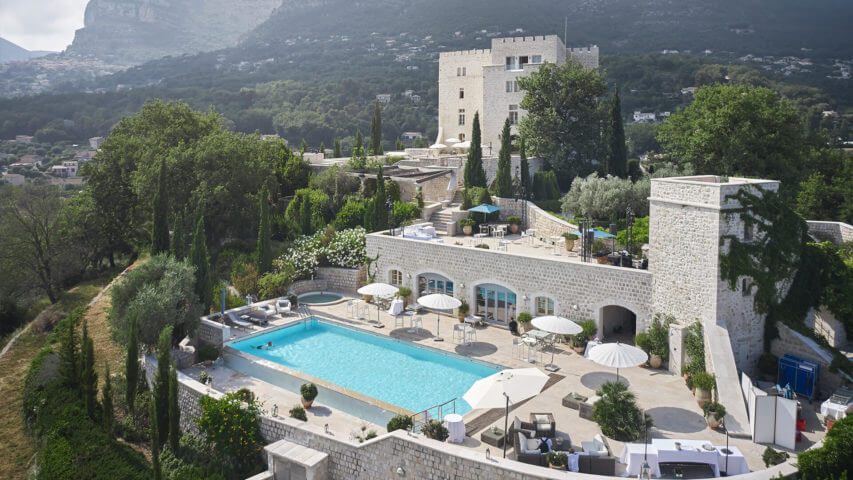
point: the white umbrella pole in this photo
(506, 423)
(437, 328)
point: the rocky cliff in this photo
(134, 31)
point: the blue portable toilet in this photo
(800, 374)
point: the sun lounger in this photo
(237, 321)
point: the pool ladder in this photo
(436, 412)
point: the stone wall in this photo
(836, 232)
(580, 290)
(344, 280)
(546, 225)
(827, 326)
(213, 333)
(801, 346)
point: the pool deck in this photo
(662, 394)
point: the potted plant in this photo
(309, 393)
(643, 341)
(580, 340)
(514, 224)
(467, 225)
(557, 460)
(524, 320)
(704, 383)
(570, 241)
(462, 311)
(404, 293)
(435, 430)
(714, 413)
(600, 251)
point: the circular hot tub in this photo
(319, 298)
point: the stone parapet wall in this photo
(545, 224)
(827, 326)
(343, 280)
(213, 333)
(836, 232)
(579, 290)
(801, 346)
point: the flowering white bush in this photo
(347, 249)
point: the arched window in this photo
(395, 277)
(544, 306)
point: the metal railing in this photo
(436, 412)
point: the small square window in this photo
(461, 116)
(461, 93)
(461, 137)
(536, 59)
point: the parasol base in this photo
(551, 367)
(437, 339)
(378, 325)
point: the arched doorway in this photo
(495, 303)
(617, 324)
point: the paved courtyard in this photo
(663, 395)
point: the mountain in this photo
(133, 31)
(9, 52)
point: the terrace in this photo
(661, 394)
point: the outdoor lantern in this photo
(275, 410)
(488, 454)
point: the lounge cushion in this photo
(528, 445)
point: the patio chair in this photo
(516, 347)
(470, 335)
(282, 306)
(417, 323)
(265, 310)
(459, 331)
(399, 321)
(544, 424)
(237, 321)
(484, 229)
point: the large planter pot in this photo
(602, 260)
(460, 317)
(712, 421)
(655, 361)
(556, 467)
(467, 229)
(579, 349)
(368, 298)
(570, 245)
(702, 396)
(306, 403)
(513, 227)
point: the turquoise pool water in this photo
(395, 372)
(323, 297)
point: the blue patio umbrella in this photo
(596, 234)
(485, 209)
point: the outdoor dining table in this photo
(633, 455)
(396, 307)
(455, 428)
(473, 319)
(692, 451)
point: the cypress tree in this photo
(474, 175)
(376, 130)
(337, 147)
(161, 383)
(524, 166)
(88, 377)
(323, 148)
(107, 401)
(368, 218)
(174, 411)
(178, 244)
(380, 214)
(155, 442)
(131, 366)
(617, 151)
(503, 180)
(303, 146)
(399, 146)
(305, 215)
(264, 249)
(68, 353)
(200, 260)
(358, 159)
(160, 216)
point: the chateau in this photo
(486, 81)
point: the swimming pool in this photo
(396, 372)
(319, 297)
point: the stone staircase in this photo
(456, 199)
(440, 219)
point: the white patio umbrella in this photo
(619, 355)
(559, 326)
(438, 301)
(452, 140)
(504, 388)
(465, 144)
(379, 290)
(438, 145)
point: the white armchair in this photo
(283, 306)
(266, 310)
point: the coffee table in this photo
(494, 439)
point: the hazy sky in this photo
(41, 24)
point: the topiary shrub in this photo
(704, 381)
(308, 391)
(618, 415)
(399, 422)
(773, 457)
(435, 430)
(524, 318)
(298, 413)
(643, 342)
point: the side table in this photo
(494, 439)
